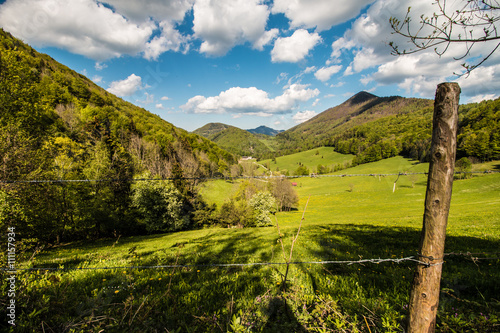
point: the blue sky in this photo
(242, 62)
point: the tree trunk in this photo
(424, 297)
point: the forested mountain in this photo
(233, 139)
(57, 124)
(264, 130)
(374, 128)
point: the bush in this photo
(463, 165)
(160, 204)
(263, 204)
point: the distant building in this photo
(246, 158)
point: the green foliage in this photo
(235, 140)
(463, 165)
(57, 124)
(160, 205)
(479, 133)
(302, 170)
(372, 222)
(264, 205)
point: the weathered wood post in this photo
(424, 297)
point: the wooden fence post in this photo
(424, 296)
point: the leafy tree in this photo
(236, 213)
(302, 170)
(264, 204)
(284, 193)
(160, 205)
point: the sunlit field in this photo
(362, 215)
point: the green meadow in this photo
(360, 215)
(325, 156)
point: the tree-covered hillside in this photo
(374, 128)
(56, 124)
(234, 140)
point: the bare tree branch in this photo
(472, 23)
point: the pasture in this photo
(347, 219)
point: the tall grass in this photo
(347, 218)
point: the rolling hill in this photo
(234, 140)
(358, 110)
(374, 128)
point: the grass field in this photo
(347, 218)
(325, 156)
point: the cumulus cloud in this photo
(250, 101)
(223, 24)
(322, 14)
(367, 42)
(140, 11)
(325, 73)
(266, 38)
(294, 48)
(483, 83)
(126, 87)
(303, 116)
(82, 26)
(169, 40)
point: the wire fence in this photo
(416, 259)
(35, 181)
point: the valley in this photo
(125, 222)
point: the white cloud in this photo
(97, 79)
(126, 87)
(265, 39)
(325, 73)
(100, 66)
(417, 73)
(159, 106)
(81, 26)
(303, 116)
(250, 101)
(165, 98)
(483, 81)
(341, 44)
(223, 24)
(169, 40)
(480, 98)
(294, 48)
(160, 10)
(309, 69)
(322, 14)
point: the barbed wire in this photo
(35, 181)
(439, 261)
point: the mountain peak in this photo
(264, 130)
(361, 97)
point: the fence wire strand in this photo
(37, 181)
(439, 261)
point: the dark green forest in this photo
(55, 124)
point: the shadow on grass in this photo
(222, 299)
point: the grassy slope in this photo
(310, 158)
(346, 218)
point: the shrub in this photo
(263, 204)
(160, 204)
